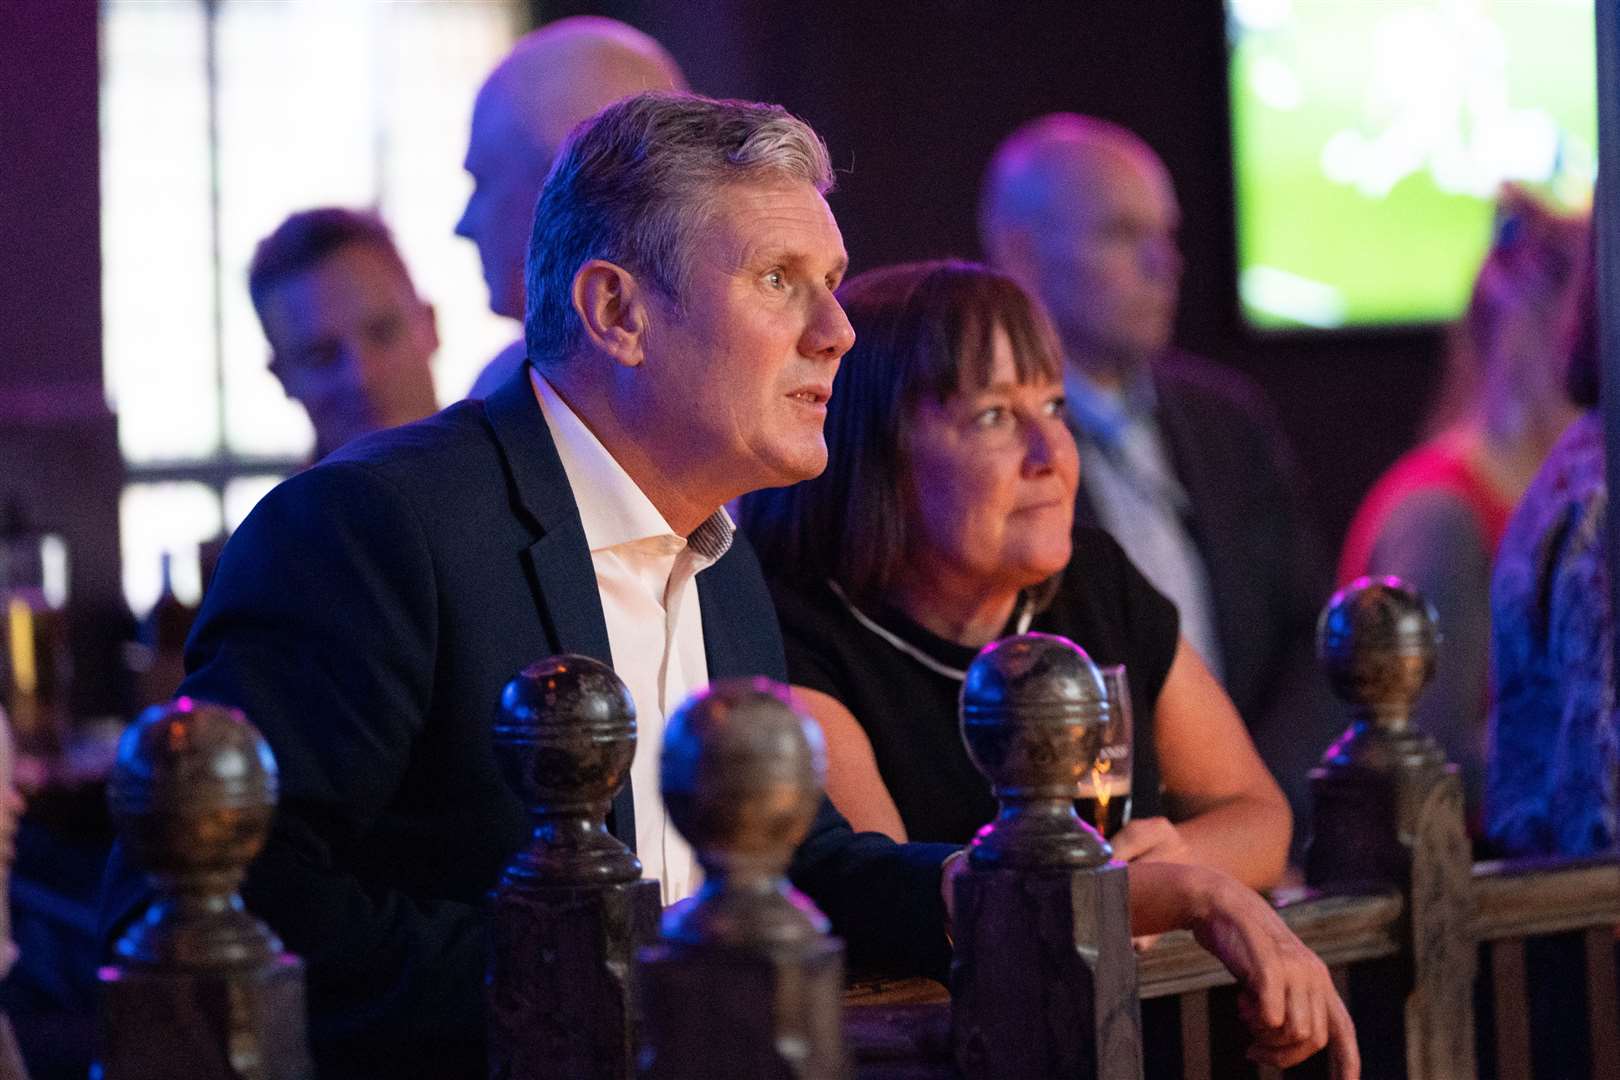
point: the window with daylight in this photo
(219, 118)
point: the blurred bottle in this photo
(36, 669)
(162, 640)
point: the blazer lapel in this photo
(720, 652)
(740, 634)
(559, 561)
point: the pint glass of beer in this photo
(1104, 796)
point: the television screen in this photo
(1370, 140)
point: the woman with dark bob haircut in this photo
(944, 520)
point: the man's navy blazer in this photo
(366, 616)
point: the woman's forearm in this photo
(1171, 896)
(1246, 836)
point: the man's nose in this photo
(464, 224)
(829, 335)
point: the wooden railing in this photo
(1343, 930)
(1516, 902)
(900, 1027)
(1437, 958)
(1415, 935)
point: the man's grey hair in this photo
(635, 184)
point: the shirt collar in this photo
(612, 509)
(1105, 413)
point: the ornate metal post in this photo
(1389, 810)
(201, 989)
(746, 985)
(572, 907)
(1044, 979)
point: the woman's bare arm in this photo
(853, 782)
(1232, 815)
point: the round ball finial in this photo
(742, 773)
(183, 770)
(193, 792)
(565, 736)
(566, 731)
(1377, 639)
(1032, 714)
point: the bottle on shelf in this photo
(36, 669)
(162, 635)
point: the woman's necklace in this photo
(1026, 615)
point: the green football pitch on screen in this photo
(1370, 138)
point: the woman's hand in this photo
(1152, 839)
(1287, 998)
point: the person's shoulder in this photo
(500, 368)
(1187, 376)
(825, 646)
(1105, 598)
(440, 456)
(454, 430)
(1100, 570)
(440, 468)
(1435, 512)
(1569, 487)
(1093, 547)
(1573, 471)
(1576, 459)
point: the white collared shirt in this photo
(647, 578)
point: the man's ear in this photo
(612, 307)
(1012, 251)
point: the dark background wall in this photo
(58, 443)
(912, 97)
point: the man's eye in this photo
(1056, 406)
(321, 356)
(776, 279)
(385, 331)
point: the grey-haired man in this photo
(683, 338)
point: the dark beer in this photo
(1109, 814)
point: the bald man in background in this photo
(553, 78)
(1182, 459)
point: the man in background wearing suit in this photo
(1182, 461)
